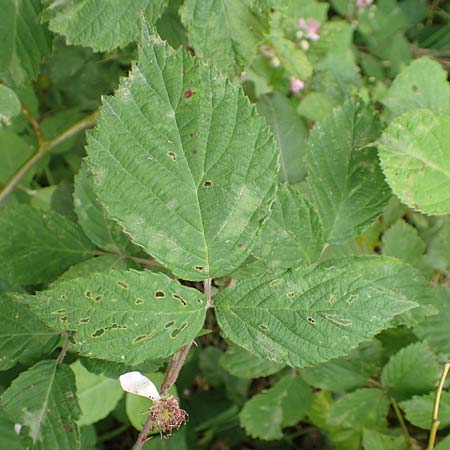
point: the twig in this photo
(44, 148)
(401, 421)
(64, 348)
(437, 399)
(207, 291)
(175, 365)
(34, 123)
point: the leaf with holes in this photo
(311, 314)
(22, 336)
(43, 399)
(196, 143)
(101, 25)
(414, 156)
(123, 316)
(347, 185)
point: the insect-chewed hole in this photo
(290, 294)
(169, 324)
(207, 183)
(180, 299)
(98, 333)
(172, 155)
(60, 311)
(84, 320)
(160, 294)
(88, 294)
(199, 268)
(63, 297)
(200, 301)
(63, 319)
(175, 332)
(97, 298)
(311, 320)
(143, 337)
(276, 282)
(122, 284)
(332, 299)
(139, 301)
(263, 327)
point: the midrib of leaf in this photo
(47, 397)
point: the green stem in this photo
(401, 421)
(437, 399)
(44, 148)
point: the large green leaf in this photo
(24, 41)
(309, 315)
(43, 399)
(404, 374)
(285, 404)
(22, 335)
(183, 162)
(226, 31)
(347, 184)
(123, 316)
(97, 395)
(292, 236)
(290, 133)
(373, 440)
(99, 24)
(423, 84)
(414, 157)
(37, 246)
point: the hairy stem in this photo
(207, 290)
(175, 365)
(437, 399)
(44, 148)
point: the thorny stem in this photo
(64, 348)
(401, 421)
(175, 365)
(43, 149)
(437, 399)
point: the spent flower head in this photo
(309, 29)
(296, 85)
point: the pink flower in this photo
(363, 3)
(296, 85)
(310, 28)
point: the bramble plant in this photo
(224, 224)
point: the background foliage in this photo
(297, 152)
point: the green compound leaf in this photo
(292, 236)
(434, 329)
(93, 219)
(286, 403)
(414, 157)
(196, 143)
(123, 316)
(24, 41)
(43, 399)
(9, 104)
(346, 182)
(226, 31)
(97, 395)
(290, 132)
(37, 246)
(22, 335)
(423, 84)
(309, 315)
(101, 25)
(418, 410)
(244, 364)
(364, 408)
(347, 373)
(411, 371)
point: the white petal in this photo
(17, 428)
(136, 383)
